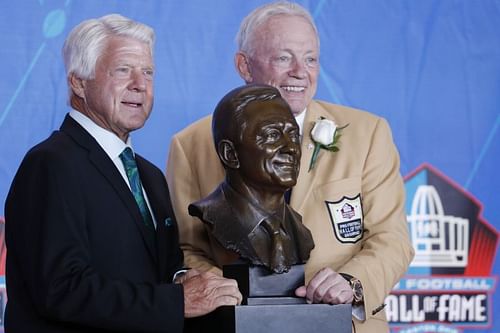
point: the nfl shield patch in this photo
(346, 216)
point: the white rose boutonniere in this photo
(325, 135)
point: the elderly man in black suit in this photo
(91, 236)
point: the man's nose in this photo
(138, 80)
(298, 69)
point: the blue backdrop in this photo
(430, 67)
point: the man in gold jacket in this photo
(352, 198)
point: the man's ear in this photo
(77, 85)
(227, 154)
(241, 61)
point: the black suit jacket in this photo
(79, 258)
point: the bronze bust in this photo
(257, 140)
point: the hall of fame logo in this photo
(346, 216)
(449, 286)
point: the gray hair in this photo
(261, 15)
(86, 42)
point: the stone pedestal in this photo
(269, 306)
(296, 318)
(259, 282)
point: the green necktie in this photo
(128, 160)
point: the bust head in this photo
(257, 139)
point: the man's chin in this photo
(297, 107)
(136, 123)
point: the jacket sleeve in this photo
(386, 251)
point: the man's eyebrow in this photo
(274, 124)
(127, 64)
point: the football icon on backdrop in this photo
(446, 227)
(439, 240)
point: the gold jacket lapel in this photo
(306, 179)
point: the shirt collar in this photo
(109, 141)
(300, 120)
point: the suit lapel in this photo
(306, 178)
(107, 168)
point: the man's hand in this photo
(204, 292)
(327, 286)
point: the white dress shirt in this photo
(111, 144)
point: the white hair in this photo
(261, 15)
(86, 42)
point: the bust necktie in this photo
(277, 255)
(128, 160)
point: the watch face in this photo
(357, 290)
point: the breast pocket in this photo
(344, 204)
(336, 189)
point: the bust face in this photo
(269, 150)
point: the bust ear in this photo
(242, 64)
(227, 154)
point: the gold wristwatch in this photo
(357, 288)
